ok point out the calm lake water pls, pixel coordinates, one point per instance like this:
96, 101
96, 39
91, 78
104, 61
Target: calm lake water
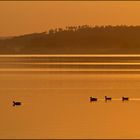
55, 100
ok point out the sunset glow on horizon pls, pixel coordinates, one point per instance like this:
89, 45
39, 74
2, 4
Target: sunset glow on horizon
23, 17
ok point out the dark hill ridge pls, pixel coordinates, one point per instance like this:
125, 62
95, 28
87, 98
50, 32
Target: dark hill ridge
76, 40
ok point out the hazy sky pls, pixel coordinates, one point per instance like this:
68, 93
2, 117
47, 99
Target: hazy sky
21, 17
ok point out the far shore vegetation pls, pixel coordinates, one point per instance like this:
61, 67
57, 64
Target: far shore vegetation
76, 40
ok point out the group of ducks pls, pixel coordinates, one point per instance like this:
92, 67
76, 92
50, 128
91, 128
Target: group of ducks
93, 99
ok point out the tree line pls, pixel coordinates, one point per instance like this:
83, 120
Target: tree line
83, 39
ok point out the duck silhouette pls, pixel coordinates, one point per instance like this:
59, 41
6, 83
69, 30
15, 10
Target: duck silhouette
107, 98
93, 99
16, 103
125, 98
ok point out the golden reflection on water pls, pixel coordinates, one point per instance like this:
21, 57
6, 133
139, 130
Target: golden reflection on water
56, 105
72, 55
55, 100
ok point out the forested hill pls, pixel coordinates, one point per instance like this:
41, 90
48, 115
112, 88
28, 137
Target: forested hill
76, 40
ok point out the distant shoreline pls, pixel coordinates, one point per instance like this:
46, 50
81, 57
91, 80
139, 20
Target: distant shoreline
83, 39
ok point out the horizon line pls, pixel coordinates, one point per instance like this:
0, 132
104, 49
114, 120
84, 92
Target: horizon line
69, 55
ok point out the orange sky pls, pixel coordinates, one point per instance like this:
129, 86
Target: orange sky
26, 17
